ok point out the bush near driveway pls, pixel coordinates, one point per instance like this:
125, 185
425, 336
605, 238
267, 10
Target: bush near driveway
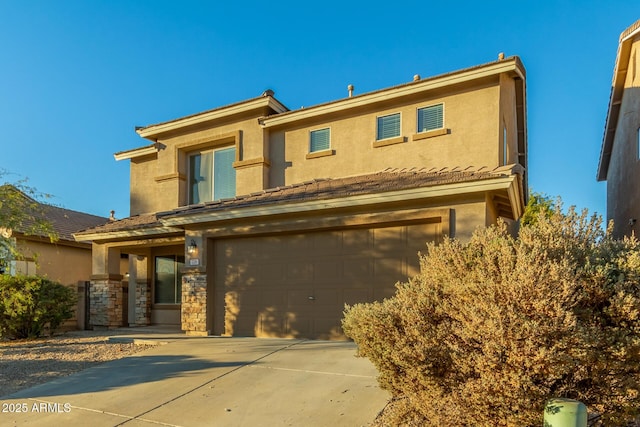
491, 329
29, 304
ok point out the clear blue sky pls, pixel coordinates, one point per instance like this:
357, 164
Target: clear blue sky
76, 77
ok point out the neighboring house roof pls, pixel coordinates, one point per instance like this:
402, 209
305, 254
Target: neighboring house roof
64, 222
380, 184
615, 99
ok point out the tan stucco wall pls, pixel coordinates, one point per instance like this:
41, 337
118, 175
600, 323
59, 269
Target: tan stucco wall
474, 117
158, 182
58, 262
623, 197
471, 117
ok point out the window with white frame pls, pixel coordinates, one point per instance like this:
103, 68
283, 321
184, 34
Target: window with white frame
168, 279
388, 126
319, 140
211, 175
430, 118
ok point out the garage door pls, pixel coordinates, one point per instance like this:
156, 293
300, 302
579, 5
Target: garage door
296, 285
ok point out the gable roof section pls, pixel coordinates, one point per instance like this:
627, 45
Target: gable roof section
615, 99
511, 65
264, 101
385, 186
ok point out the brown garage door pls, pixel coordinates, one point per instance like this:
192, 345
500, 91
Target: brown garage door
296, 285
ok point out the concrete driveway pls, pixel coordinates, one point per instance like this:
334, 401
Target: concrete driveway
211, 382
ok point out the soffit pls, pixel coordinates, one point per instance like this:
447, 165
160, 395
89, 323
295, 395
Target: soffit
627, 38
132, 227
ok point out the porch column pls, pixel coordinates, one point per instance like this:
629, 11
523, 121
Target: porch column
106, 288
140, 280
193, 314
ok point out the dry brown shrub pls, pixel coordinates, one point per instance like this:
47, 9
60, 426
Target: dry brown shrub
489, 330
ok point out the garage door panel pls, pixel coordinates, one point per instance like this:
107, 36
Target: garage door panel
327, 244
358, 270
380, 294
386, 268
328, 270
354, 241
299, 271
355, 296
299, 299
333, 267
272, 274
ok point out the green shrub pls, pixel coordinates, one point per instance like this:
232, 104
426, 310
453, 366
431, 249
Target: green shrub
28, 304
491, 329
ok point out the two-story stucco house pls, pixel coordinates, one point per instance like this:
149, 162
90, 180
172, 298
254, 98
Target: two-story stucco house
255, 220
620, 155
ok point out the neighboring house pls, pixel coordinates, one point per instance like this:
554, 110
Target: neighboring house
620, 155
65, 260
254, 220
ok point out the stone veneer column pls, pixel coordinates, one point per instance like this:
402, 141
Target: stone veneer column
140, 268
106, 302
194, 304
143, 303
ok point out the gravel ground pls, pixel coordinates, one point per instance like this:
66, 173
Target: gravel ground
25, 363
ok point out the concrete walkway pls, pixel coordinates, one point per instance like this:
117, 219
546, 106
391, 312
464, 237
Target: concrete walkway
210, 382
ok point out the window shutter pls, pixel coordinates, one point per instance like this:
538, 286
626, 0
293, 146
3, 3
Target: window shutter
430, 118
320, 140
388, 126
224, 175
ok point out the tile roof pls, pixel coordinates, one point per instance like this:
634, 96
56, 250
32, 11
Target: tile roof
330, 188
320, 189
135, 222
64, 222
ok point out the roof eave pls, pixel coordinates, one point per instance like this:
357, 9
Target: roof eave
486, 185
615, 99
137, 152
94, 236
509, 65
152, 132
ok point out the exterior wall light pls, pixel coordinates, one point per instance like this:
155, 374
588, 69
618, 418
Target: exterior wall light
192, 249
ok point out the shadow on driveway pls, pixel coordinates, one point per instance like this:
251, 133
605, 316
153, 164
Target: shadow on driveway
126, 372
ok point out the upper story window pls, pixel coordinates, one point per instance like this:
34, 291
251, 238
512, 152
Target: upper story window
211, 175
431, 118
388, 126
319, 140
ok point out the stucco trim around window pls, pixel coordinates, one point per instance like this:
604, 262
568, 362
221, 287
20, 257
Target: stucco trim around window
170, 177
388, 141
209, 142
430, 134
258, 161
317, 154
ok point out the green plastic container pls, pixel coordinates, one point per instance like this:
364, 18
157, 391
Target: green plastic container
565, 413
